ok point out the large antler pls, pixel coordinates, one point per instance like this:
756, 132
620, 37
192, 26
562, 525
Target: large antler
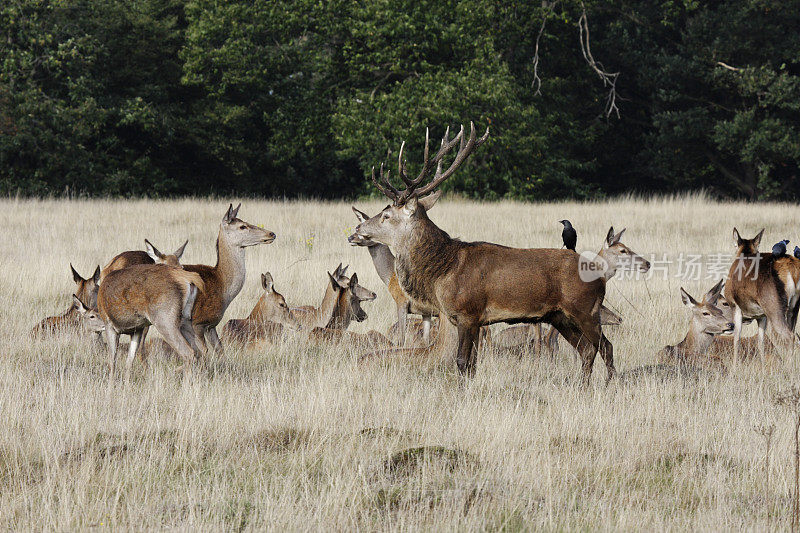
464, 151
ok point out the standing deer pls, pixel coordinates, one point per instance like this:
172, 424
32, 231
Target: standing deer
766, 289
383, 259
477, 283
266, 320
708, 321
140, 257
224, 280
133, 298
722, 347
86, 291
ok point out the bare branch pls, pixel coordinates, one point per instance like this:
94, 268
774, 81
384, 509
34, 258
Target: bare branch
609, 78
723, 65
537, 81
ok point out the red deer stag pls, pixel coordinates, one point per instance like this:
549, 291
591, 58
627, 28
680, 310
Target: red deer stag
224, 280
473, 284
766, 289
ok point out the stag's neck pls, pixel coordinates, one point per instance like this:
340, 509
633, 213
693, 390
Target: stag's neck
383, 259
229, 268
424, 255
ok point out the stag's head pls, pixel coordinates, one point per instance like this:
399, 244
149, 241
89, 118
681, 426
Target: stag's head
86, 287
620, 256
274, 304
410, 204
173, 259
91, 318
241, 234
747, 246
707, 317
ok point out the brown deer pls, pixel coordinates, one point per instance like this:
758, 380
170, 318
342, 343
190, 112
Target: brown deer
476, 283
766, 289
133, 298
708, 321
266, 320
383, 259
311, 317
224, 280
722, 347
140, 257
70, 320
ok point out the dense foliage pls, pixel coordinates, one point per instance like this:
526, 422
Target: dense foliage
301, 97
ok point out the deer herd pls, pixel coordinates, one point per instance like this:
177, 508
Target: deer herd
457, 289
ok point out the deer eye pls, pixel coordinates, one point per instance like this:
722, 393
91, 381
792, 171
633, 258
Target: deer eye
242, 227
706, 313
624, 251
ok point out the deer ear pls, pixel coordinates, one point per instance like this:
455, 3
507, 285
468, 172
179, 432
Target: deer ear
228, 215
410, 206
688, 301
153, 252
736, 237
360, 215
429, 201
78, 304
610, 236
618, 236
353, 280
757, 238
96, 275
179, 252
266, 282
334, 281
77, 278
713, 294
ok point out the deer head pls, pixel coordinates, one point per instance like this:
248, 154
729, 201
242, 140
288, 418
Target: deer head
411, 203
358, 240
173, 259
355, 294
619, 256
86, 288
91, 318
747, 246
273, 305
240, 234
707, 318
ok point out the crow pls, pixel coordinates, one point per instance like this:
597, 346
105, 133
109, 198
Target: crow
779, 248
569, 235
797, 252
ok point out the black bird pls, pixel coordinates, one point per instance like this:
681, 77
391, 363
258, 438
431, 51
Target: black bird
797, 252
779, 248
569, 235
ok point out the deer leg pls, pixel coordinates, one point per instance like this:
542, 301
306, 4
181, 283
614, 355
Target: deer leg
200, 336
467, 340
552, 341
607, 353
426, 328
171, 331
762, 325
136, 340
737, 331
188, 333
142, 353
585, 340
112, 342
781, 328
402, 314
213, 339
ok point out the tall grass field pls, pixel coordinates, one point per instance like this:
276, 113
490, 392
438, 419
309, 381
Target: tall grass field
298, 436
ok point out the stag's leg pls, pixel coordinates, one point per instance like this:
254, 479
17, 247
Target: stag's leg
213, 339
467, 348
112, 342
737, 331
552, 341
402, 314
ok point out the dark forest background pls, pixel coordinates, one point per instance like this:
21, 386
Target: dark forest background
301, 97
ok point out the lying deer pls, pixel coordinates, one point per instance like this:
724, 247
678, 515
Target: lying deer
766, 289
708, 321
383, 259
70, 320
477, 283
266, 320
224, 280
136, 297
311, 317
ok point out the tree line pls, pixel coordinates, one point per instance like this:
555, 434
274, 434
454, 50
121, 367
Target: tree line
302, 97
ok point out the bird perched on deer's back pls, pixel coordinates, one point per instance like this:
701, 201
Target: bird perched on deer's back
779, 248
797, 252
569, 235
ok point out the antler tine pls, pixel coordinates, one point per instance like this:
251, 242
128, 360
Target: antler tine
466, 148
401, 165
389, 193
388, 182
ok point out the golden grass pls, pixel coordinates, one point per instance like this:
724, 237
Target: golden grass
301, 437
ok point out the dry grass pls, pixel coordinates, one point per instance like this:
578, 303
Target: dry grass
302, 437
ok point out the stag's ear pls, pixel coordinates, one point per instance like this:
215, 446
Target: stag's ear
736, 237
79, 304
429, 201
77, 278
179, 252
757, 238
360, 215
610, 236
153, 252
410, 207
96, 275
713, 294
688, 301
266, 282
